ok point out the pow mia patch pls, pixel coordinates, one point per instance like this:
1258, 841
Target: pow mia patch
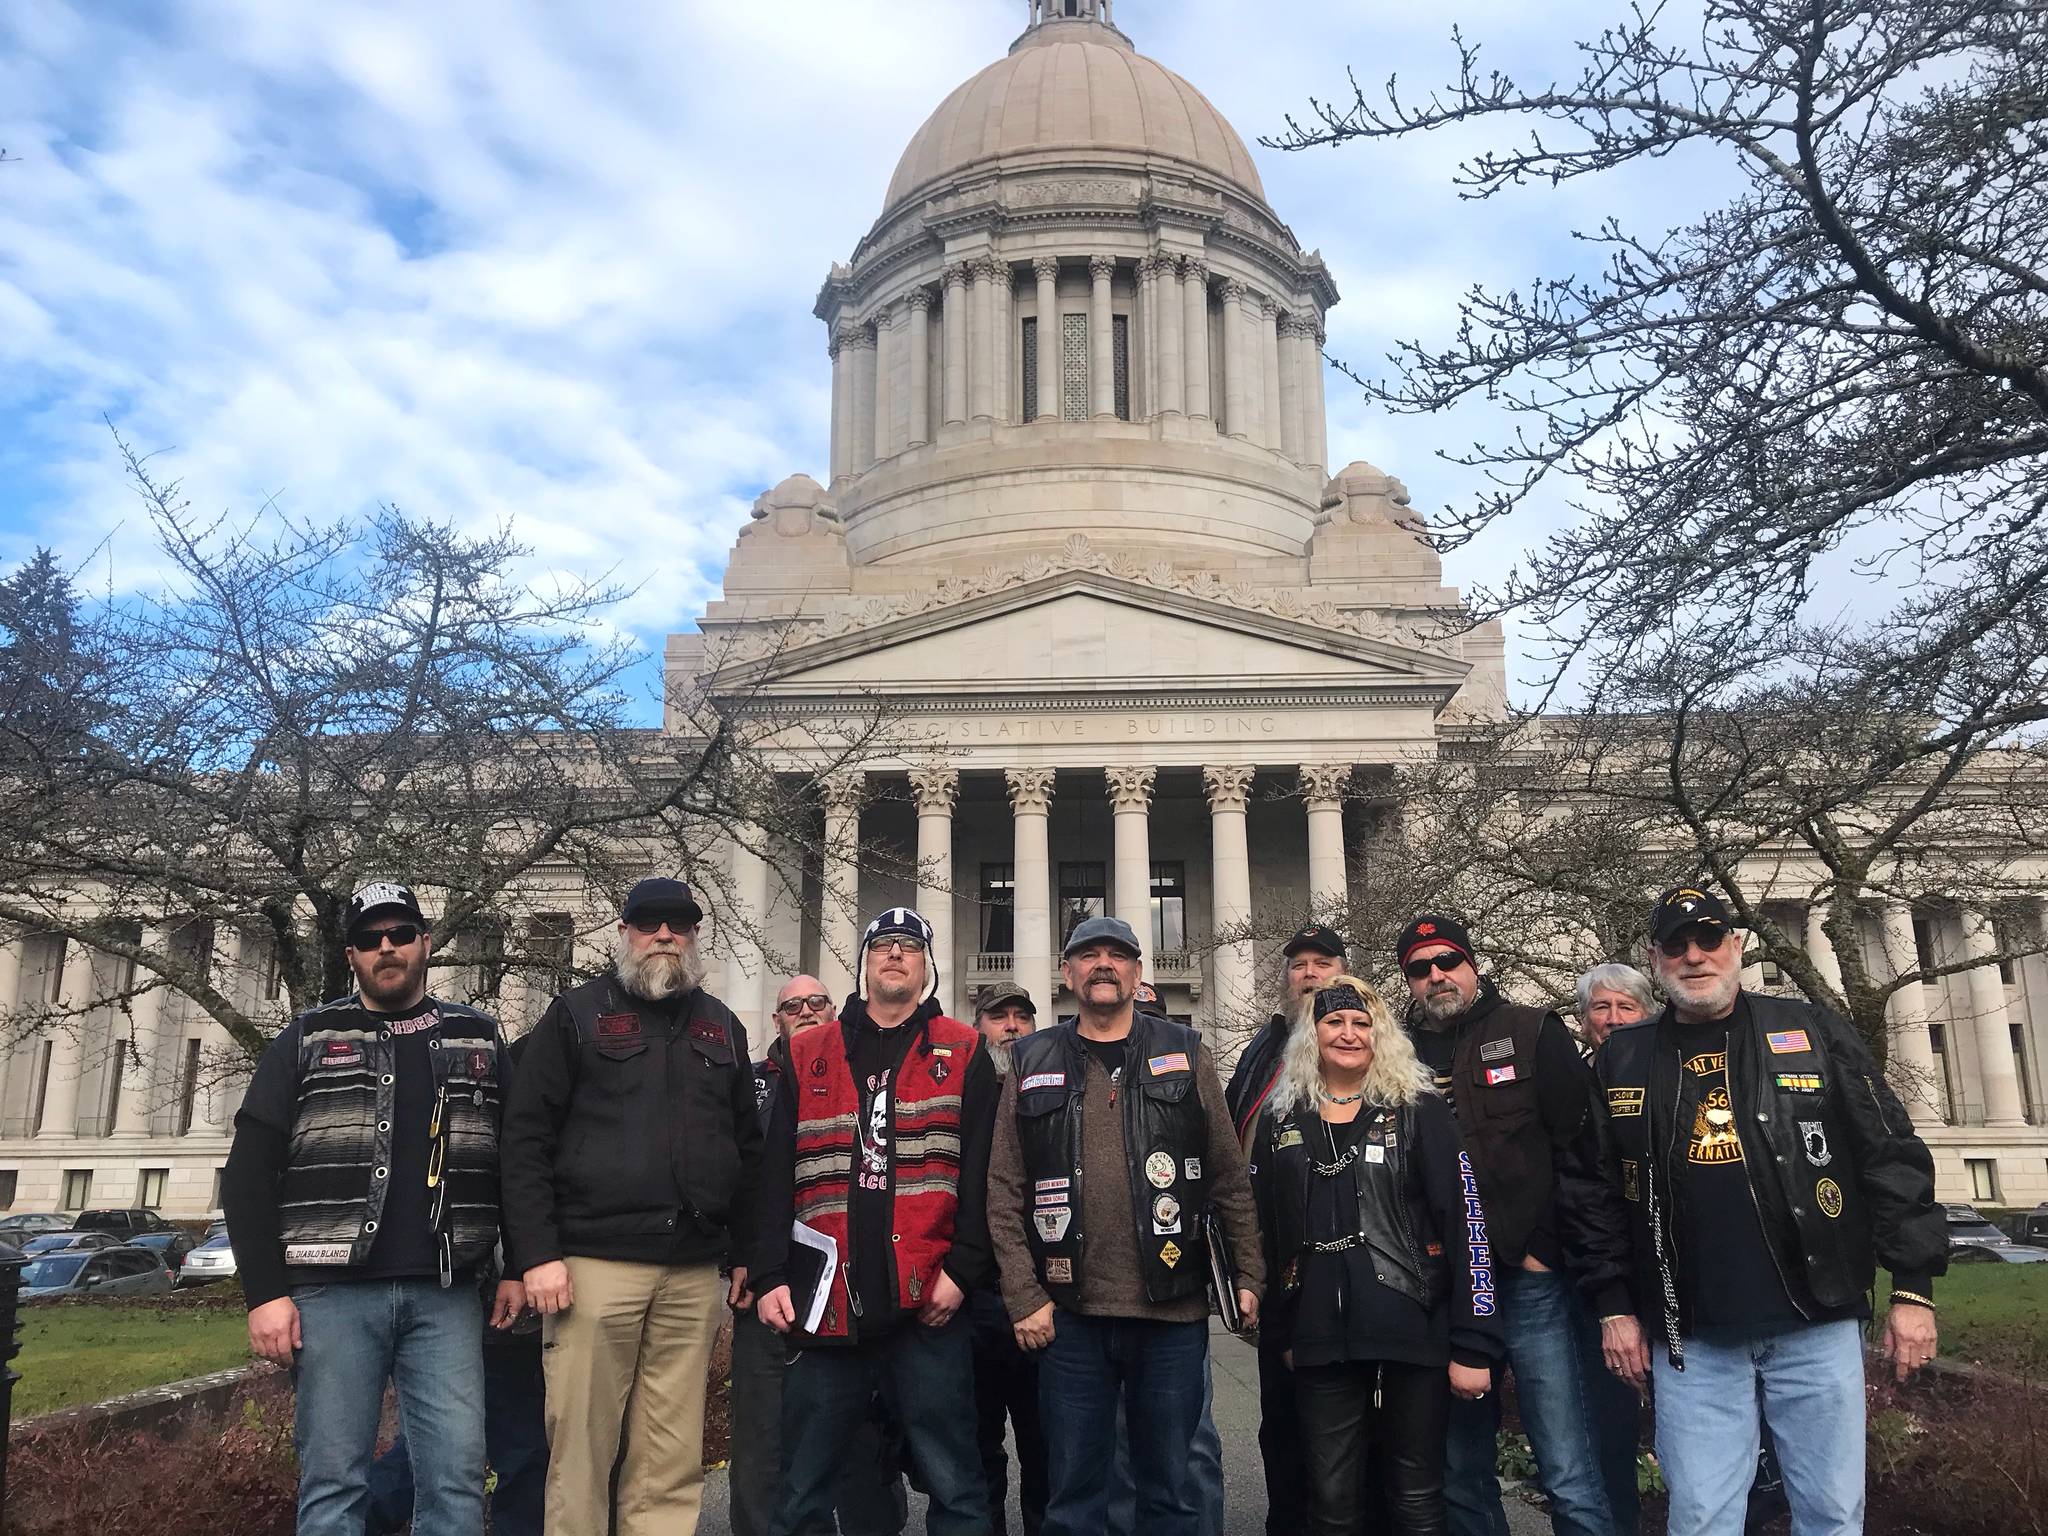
1497, 1050
1623, 1102
1813, 1136
1829, 1196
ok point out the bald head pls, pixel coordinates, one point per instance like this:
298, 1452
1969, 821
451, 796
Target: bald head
803, 1002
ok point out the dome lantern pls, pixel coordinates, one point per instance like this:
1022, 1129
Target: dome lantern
1048, 20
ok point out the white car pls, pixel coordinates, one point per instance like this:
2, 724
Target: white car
211, 1260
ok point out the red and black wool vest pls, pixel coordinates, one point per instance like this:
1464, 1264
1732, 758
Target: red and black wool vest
924, 1136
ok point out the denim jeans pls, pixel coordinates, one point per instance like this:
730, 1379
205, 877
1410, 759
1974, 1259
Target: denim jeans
926, 1379
1156, 1372
1807, 1384
1544, 1321
1205, 1460
429, 1341
515, 1444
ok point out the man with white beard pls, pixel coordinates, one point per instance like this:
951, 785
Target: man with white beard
632, 1165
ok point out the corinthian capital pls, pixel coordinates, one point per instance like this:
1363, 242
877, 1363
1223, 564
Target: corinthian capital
1045, 267
936, 789
1194, 269
1229, 786
1325, 782
1130, 789
1102, 268
959, 274
1232, 290
918, 299
1030, 789
843, 789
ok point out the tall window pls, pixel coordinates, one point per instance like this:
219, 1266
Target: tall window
42, 1087
2022, 1070
273, 972
1120, 340
188, 1089
77, 1189
1937, 1038
10, 1181
1923, 945
998, 909
1083, 893
1169, 908
149, 1190
1074, 368
1029, 347
1983, 1179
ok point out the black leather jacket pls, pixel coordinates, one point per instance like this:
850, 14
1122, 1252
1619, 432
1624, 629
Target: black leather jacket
1841, 1181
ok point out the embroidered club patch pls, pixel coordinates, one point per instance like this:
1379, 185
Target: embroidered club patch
1043, 1080
1375, 1154
1170, 1254
1191, 1170
1051, 1197
1059, 1271
1798, 1082
818, 1069
1159, 1169
707, 1031
316, 1253
1043, 1184
1173, 1061
1828, 1194
1624, 1101
1630, 1187
1786, 1041
479, 1062
1496, 1050
1052, 1225
1813, 1136
939, 1070
612, 1026
1495, 1076
341, 1053
1287, 1139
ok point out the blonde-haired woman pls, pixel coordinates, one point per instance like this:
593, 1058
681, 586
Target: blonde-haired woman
1383, 1290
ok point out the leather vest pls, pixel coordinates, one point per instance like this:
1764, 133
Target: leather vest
1493, 1073
1166, 1148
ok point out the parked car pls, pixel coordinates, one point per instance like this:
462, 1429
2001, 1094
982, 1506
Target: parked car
9, 1254
1969, 1226
2027, 1227
116, 1271
214, 1229
172, 1245
1996, 1253
52, 1242
121, 1222
26, 1224
211, 1260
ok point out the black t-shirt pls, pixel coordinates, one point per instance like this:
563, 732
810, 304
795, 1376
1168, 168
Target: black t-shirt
1111, 1054
875, 1059
1724, 1256
404, 1247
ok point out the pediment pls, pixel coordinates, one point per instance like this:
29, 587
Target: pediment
1090, 631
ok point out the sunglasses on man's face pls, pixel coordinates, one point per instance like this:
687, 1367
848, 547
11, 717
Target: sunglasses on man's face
902, 946
650, 926
817, 1002
400, 935
1703, 936
1415, 970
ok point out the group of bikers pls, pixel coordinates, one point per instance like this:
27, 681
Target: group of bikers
935, 1236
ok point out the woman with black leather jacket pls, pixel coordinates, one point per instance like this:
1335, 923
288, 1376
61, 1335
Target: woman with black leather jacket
1383, 1293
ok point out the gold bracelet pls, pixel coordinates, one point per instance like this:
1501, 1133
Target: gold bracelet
1917, 1300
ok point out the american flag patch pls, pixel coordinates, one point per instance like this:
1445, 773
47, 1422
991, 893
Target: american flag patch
1176, 1061
1787, 1041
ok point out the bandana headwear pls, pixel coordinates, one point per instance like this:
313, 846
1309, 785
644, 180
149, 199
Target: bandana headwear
1336, 999
909, 924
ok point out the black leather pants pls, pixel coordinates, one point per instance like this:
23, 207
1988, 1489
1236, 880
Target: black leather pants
1407, 1425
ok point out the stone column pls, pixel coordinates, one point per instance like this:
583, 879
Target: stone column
1235, 392
839, 897
1323, 786
863, 367
1229, 788
1172, 327
981, 368
887, 443
1914, 1072
747, 989
1293, 423
1145, 343
1319, 409
1269, 361
131, 1106
954, 319
2002, 1102
1101, 339
842, 403
1130, 795
937, 791
214, 1112
12, 1050
1004, 335
67, 1046
1194, 289
1820, 949
920, 304
1031, 870
1047, 270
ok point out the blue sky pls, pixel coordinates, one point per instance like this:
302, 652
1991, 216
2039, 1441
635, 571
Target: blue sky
515, 260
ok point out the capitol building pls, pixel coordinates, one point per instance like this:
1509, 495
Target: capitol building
1079, 536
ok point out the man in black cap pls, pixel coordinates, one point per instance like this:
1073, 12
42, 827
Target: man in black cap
1113, 1144
632, 1164
1755, 1247
1526, 1107
363, 1192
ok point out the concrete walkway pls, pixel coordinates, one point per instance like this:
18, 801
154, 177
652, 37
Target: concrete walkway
1236, 1372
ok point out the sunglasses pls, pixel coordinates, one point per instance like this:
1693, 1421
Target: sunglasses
817, 1002
372, 940
650, 926
1706, 937
1415, 970
901, 946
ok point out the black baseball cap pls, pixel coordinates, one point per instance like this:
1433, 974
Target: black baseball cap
1324, 941
670, 898
1103, 930
1681, 907
1003, 994
383, 896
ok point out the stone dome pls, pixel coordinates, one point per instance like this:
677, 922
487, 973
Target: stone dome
1073, 89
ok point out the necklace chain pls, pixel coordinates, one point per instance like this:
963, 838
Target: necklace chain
1339, 1098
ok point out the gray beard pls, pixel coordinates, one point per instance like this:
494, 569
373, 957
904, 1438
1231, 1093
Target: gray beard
999, 1056
1442, 1007
657, 975
1712, 1005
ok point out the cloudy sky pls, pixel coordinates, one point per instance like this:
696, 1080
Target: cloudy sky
554, 264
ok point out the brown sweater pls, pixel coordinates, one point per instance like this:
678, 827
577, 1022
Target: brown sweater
1112, 1285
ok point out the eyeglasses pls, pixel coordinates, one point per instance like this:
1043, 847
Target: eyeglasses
1707, 937
817, 1002
1415, 970
653, 925
400, 935
901, 946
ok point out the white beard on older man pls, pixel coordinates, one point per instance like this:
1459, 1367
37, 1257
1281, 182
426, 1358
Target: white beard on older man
661, 970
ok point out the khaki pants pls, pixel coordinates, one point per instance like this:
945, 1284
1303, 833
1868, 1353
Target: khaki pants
630, 1354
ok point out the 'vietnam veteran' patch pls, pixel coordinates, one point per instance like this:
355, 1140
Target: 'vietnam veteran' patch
1799, 1082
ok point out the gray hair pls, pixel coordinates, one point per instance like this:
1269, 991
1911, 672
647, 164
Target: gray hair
1395, 1077
1616, 977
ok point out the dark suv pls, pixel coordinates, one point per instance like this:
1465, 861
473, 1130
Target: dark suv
122, 1223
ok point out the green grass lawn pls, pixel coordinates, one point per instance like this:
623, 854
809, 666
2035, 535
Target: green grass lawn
1993, 1314
89, 1351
